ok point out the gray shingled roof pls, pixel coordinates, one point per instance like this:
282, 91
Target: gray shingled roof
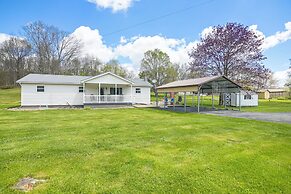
189, 82
66, 79
141, 83
52, 79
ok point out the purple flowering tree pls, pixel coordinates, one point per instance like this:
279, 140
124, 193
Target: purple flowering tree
232, 50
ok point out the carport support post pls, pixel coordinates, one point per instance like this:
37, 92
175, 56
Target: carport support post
192, 99
198, 105
174, 103
239, 100
185, 107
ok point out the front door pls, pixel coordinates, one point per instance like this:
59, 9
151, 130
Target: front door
101, 91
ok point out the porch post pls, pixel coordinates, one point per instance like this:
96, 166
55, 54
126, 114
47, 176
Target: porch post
185, 102
224, 99
115, 93
239, 102
84, 93
131, 93
99, 90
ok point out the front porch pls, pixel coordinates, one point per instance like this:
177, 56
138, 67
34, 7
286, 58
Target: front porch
107, 94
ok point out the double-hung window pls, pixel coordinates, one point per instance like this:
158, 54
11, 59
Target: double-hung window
137, 90
40, 88
112, 91
81, 89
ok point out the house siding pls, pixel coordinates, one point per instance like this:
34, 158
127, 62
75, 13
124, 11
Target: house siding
244, 102
59, 95
143, 97
52, 95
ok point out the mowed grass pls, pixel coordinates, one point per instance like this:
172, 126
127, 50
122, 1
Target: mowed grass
272, 105
143, 151
9, 97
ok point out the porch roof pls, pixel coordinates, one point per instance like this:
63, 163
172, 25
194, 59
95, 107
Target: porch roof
104, 74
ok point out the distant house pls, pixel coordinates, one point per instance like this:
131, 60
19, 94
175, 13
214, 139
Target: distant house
272, 93
64, 90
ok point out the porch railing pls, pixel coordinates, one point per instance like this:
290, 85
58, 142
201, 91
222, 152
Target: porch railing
96, 99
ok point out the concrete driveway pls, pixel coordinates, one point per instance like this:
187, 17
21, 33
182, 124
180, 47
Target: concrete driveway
273, 117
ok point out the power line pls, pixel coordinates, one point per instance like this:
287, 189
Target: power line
158, 18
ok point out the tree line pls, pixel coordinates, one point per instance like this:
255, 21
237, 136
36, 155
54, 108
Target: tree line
232, 50
43, 48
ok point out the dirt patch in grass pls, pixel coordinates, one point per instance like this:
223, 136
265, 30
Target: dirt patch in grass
27, 184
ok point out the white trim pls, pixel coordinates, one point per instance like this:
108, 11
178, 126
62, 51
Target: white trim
101, 75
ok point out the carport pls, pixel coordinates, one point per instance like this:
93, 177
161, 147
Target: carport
206, 85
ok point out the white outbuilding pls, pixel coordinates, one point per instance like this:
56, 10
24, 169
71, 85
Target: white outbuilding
248, 98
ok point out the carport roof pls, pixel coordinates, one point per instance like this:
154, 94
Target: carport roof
204, 83
189, 82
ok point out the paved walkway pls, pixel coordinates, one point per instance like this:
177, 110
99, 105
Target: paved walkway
273, 117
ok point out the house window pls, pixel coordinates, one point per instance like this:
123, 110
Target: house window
40, 88
137, 90
112, 91
81, 89
247, 97
119, 91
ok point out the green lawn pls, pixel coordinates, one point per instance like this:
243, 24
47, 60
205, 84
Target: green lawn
142, 151
9, 97
273, 105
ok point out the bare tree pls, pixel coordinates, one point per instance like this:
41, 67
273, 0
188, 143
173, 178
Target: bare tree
13, 54
53, 48
272, 82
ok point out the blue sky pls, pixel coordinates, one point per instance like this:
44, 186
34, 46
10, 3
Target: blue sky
94, 20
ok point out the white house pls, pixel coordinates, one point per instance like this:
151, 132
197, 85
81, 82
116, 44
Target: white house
64, 90
248, 98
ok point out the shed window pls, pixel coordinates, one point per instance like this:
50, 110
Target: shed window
40, 88
81, 89
137, 90
248, 97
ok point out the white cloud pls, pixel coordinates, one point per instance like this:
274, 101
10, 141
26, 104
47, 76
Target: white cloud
132, 49
123, 40
92, 44
4, 37
277, 38
206, 31
281, 76
177, 49
254, 28
115, 5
